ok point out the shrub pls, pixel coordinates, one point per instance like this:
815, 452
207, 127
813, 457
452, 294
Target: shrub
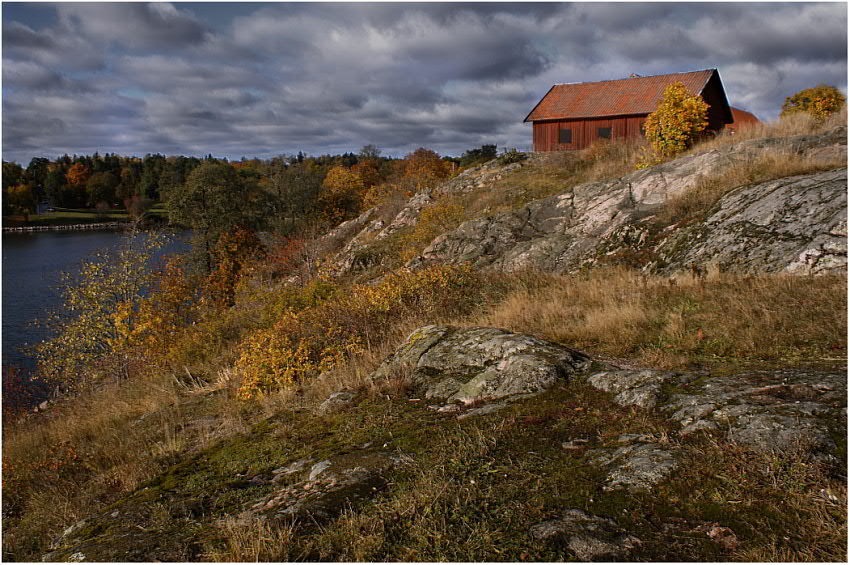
675, 124
98, 301
441, 217
232, 253
512, 156
154, 327
303, 344
820, 101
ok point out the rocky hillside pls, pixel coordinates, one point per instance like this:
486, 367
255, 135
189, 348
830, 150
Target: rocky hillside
546, 438
795, 224
540, 451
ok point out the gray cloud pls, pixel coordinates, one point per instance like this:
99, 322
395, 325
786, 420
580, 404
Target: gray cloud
139, 78
157, 25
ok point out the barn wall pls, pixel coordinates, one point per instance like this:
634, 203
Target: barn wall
545, 133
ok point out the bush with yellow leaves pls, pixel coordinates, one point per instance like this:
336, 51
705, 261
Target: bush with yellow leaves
441, 217
821, 102
675, 124
320, 337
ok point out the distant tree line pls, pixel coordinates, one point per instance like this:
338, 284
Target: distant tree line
283, 195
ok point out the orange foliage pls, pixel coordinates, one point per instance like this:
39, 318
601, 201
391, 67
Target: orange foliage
233, 252
162, 315
368, 173
423, 169
312, 338
78, 174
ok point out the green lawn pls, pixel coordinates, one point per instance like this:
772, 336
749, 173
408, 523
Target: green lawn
68, 216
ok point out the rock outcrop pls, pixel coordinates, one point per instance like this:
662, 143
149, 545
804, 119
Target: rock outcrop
327, 488
638, 464
780, 410
769, 411
468, 365
363, 230
796, 224
588, 537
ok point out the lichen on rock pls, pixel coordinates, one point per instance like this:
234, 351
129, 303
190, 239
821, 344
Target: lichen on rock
467, 365
588, 537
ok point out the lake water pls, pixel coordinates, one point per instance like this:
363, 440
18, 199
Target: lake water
32, 265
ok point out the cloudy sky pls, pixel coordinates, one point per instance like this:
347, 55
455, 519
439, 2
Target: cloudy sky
264, 79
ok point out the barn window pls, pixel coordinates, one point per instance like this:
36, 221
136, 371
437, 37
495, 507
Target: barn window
565, 136
603, 133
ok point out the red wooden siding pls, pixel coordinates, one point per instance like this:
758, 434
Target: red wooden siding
621, 105
545, 134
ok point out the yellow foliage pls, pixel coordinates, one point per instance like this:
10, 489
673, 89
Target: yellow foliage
441, 217
820, 101
162, 315
674, 125
382, 193
340, 193
424, 169
303, 344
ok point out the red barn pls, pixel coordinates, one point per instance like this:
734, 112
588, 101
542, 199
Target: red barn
741, 120
572, 116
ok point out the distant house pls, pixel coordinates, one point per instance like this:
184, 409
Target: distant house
572, 116
741, 119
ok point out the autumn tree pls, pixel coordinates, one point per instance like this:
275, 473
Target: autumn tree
87, 329
423, 169
214, 199
368, 172
340, 193
233, 252
677, 121
820, 101
18, 199
78, 175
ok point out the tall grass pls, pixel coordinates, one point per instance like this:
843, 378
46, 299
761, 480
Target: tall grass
696, 202
796, 124
683, 320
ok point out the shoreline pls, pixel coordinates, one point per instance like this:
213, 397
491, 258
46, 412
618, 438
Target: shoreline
69, 227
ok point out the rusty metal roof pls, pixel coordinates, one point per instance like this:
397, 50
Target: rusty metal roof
637, 95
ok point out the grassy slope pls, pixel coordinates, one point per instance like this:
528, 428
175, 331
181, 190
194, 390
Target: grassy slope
476, 485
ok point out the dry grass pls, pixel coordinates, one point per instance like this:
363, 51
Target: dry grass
674, 322
87, 440
697, 202
86, 452
797, 507
251, 539
795, 124
554, 173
